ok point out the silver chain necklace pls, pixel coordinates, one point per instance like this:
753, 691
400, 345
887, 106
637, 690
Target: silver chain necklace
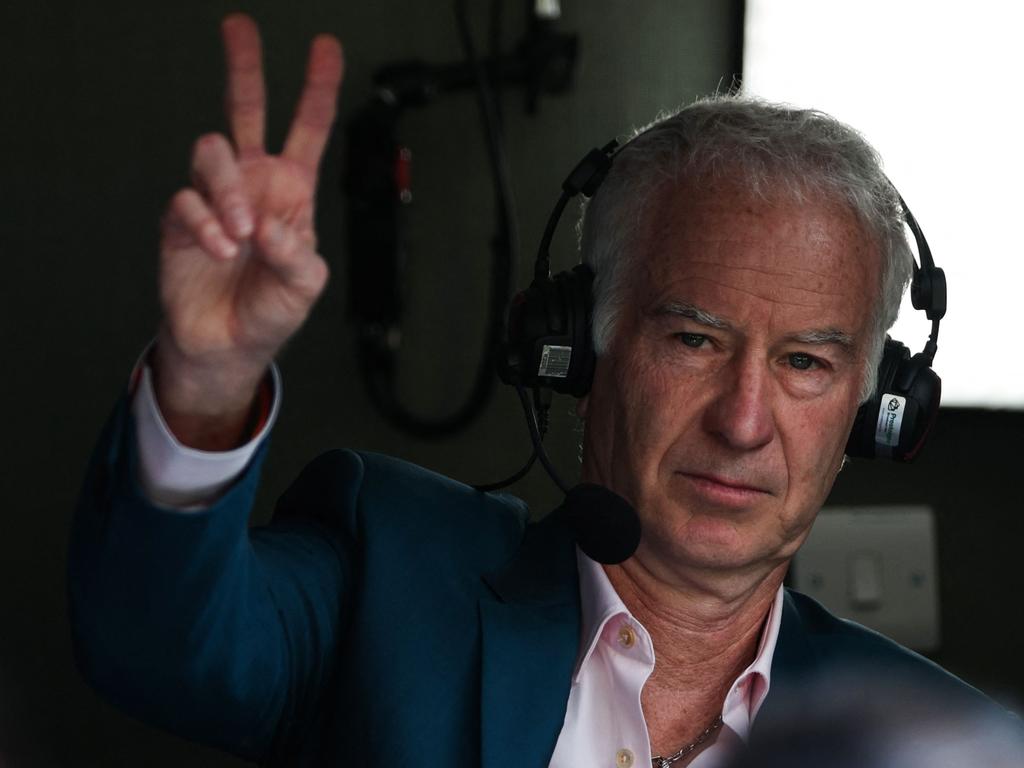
664, 762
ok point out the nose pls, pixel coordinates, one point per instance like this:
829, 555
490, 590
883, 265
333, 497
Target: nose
741, 415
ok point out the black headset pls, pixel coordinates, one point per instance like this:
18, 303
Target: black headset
549, 343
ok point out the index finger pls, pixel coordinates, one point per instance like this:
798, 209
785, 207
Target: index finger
314, 115
245, 99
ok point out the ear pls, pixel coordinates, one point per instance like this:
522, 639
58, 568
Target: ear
581, 406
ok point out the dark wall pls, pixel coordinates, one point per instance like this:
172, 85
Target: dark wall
101, 103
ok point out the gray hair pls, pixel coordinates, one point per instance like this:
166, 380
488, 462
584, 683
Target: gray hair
777, 151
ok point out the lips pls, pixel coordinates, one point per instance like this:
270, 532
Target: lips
724, 490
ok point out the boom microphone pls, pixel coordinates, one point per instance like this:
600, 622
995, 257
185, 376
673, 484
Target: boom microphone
604, 524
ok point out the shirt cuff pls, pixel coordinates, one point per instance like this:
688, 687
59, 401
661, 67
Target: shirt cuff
175, 476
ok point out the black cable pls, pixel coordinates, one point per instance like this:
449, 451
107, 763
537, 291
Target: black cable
538, 439
508, 481
487, 102
378, 369
535, 425
538, 426
494, 34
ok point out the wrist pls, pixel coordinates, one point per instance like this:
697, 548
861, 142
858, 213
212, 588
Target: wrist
208, 403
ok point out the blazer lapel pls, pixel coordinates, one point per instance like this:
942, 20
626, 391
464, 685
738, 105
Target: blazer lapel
530, 637
794, 661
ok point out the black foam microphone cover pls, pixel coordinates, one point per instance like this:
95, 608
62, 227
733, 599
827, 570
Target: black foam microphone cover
605, 525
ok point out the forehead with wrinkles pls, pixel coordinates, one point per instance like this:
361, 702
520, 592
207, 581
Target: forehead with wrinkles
808, 254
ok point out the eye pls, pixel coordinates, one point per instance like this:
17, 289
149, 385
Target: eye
694, 340
802, 361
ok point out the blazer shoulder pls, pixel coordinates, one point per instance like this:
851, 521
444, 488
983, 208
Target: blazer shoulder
847, 647
373, 497
841, 640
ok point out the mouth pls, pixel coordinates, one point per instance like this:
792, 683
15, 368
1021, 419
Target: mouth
724, 491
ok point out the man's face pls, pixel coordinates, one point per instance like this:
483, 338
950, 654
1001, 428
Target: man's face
722, 409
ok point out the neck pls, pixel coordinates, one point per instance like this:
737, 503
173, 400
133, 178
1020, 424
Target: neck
695, 623
703, 640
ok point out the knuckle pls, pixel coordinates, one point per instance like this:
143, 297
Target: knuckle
209, 143
228, 194
180, 200
321, 272
314, 276
208, 229
228, 207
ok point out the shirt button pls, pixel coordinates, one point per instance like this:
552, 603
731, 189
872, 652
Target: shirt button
627, 639
624, 758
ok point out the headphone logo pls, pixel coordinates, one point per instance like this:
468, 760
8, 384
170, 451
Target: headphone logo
890, 422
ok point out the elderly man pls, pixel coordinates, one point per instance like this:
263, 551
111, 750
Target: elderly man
748, 261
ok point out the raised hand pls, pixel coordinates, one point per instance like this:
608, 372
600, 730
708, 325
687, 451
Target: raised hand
239, 271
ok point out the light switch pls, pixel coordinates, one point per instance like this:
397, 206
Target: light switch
865, 581
877, 566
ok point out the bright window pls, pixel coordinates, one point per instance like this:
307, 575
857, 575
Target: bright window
936, 87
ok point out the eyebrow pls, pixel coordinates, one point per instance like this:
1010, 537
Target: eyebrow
693, 313
825, 336
815, 336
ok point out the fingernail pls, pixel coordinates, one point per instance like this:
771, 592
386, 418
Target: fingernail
227, 249
241, 221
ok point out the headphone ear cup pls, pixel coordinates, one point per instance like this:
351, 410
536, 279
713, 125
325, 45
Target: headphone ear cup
549, 337
923, 391
897, 418
861, 442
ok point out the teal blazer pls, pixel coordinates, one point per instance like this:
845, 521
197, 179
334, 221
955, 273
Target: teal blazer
388, 615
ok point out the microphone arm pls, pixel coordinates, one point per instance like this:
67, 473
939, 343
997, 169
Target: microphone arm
605, 525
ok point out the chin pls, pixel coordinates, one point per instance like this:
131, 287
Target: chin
703, 541
712, 542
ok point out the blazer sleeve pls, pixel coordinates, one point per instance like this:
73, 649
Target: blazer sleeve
192, 623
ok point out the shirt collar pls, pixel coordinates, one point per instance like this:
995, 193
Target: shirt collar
748, 692
599, 603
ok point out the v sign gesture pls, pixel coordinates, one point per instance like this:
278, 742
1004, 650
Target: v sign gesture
239, 271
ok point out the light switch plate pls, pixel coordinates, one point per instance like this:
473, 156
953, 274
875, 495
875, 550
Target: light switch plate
877, 566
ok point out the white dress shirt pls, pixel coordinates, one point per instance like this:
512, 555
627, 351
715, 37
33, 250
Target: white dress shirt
604, 723
178, 477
